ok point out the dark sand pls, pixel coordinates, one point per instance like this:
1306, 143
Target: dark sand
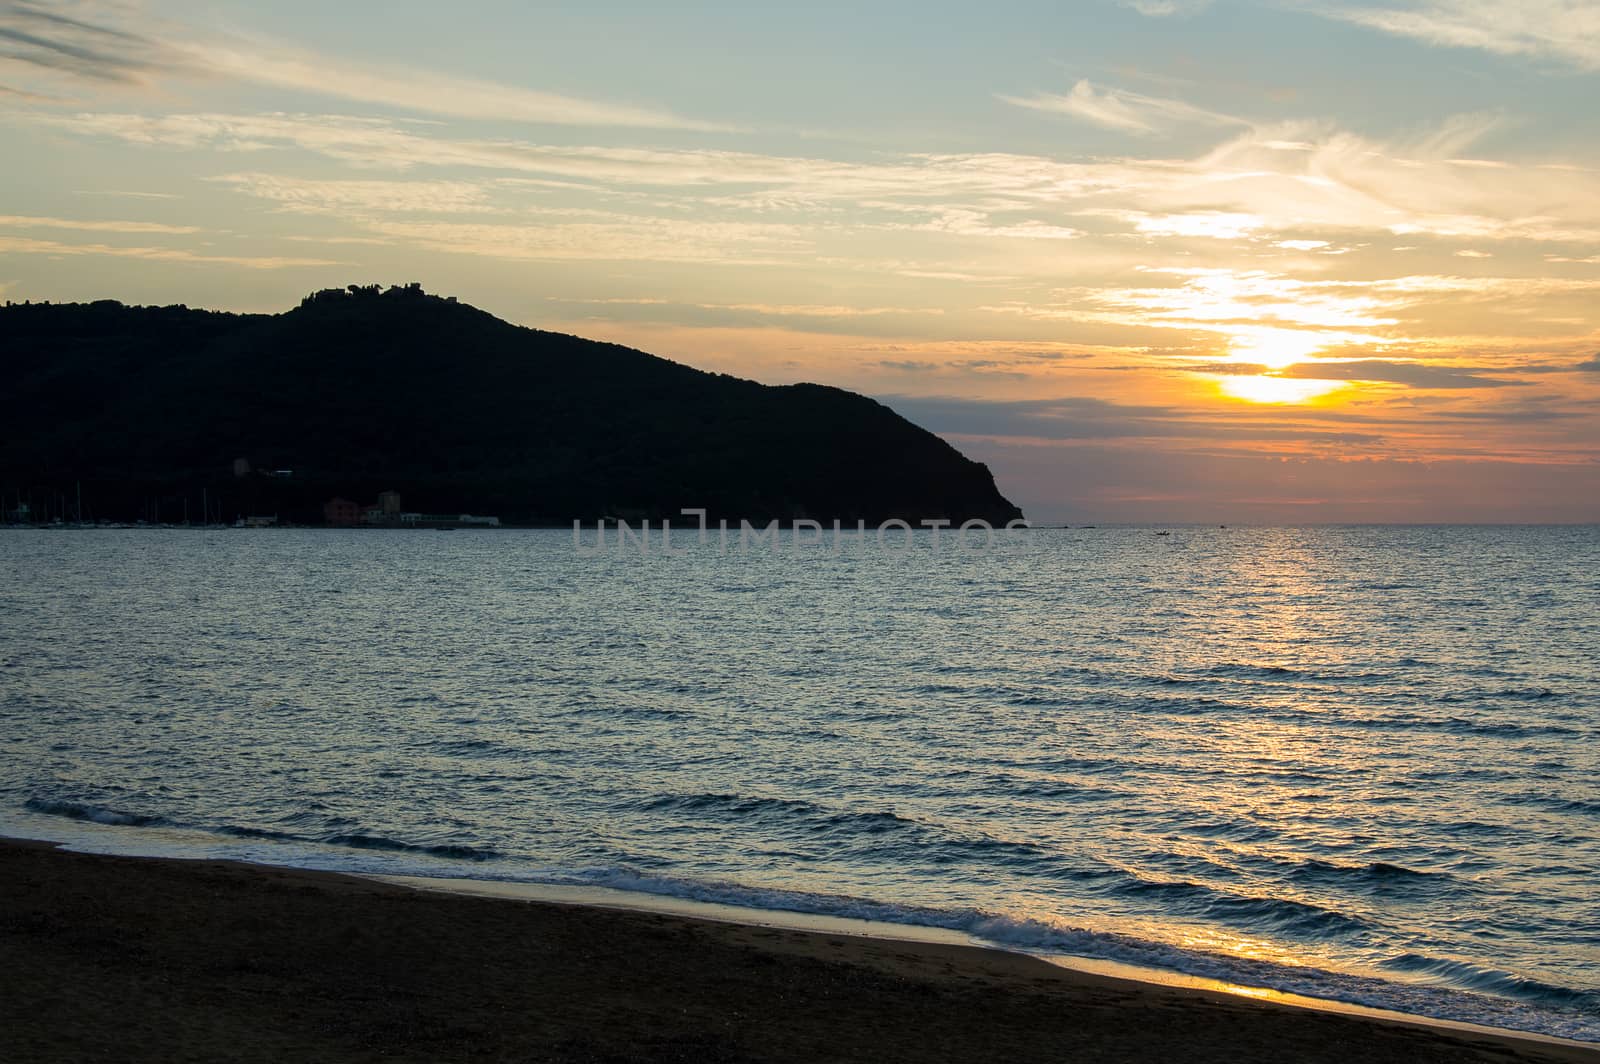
129, 959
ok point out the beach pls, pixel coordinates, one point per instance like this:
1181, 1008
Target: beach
124, 958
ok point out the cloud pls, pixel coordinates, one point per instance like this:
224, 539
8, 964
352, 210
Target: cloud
775, 310
1564, 30
1216, 225
1384, 371
1166, 8
428, 92
1127, 112
16, 245
614, 238
1250, 299
1254, 206
971, 222
96, 44
23, 94
1325, 182
46, 39
1083, 418
1329, 180
1411, 374
1056, 419
16, 221
1591, 366
340, 197
126, 194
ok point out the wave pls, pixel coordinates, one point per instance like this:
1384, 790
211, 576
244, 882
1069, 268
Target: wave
1490, 980
732, 804
472, 749
883, 834
1286, 917
1518, 1004
93, 813
1372, 872
1251, 671
453, 851
352, 839
1255, 671
1473, 994
1052, 789
1555, 803
1408, 722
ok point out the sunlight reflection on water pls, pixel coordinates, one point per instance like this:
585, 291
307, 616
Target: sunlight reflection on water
1362, 749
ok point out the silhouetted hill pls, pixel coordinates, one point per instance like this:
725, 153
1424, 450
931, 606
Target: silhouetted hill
362, 390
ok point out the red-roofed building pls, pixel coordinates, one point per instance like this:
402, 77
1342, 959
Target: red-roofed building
342, 512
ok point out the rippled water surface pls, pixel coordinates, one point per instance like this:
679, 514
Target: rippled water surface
1353, 762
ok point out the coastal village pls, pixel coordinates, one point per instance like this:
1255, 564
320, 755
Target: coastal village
337, 512
387, 513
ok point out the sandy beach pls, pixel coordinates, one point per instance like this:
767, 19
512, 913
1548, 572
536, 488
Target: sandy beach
137, 959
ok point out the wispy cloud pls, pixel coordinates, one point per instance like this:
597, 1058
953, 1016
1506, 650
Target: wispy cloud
101, 43
1374, 370
16, 245
429, 92
620, 238
17, 221
1281, 190
23, 94
1129, 112
1082, 418
341, 196
1320, 177
1166, 8
1411, 374
127, 194
1565, 30
778, 310
46, 38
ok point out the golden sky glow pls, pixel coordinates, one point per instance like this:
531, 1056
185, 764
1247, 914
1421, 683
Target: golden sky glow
1246, 261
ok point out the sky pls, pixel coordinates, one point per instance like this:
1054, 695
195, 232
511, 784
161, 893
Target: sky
1234, 261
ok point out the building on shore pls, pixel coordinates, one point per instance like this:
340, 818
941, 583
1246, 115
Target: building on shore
415, 520
342, 512
386, 513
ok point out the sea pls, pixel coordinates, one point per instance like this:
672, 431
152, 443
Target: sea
1354, 763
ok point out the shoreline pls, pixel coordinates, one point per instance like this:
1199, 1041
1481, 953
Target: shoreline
163, 958
850, 926
1377, 998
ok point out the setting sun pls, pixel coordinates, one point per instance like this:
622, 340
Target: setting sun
1278, 389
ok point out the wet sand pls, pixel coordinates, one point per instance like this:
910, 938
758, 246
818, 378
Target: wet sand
135, 959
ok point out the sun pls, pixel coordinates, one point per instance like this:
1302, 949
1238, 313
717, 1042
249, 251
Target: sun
1262, 389
1269, 351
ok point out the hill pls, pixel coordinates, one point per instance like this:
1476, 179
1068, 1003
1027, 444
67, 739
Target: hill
144, 410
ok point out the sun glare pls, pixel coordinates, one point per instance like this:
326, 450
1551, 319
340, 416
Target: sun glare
1275, 348
1278, 389
1256, 348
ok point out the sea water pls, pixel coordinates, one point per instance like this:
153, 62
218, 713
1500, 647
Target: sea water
1358, 763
